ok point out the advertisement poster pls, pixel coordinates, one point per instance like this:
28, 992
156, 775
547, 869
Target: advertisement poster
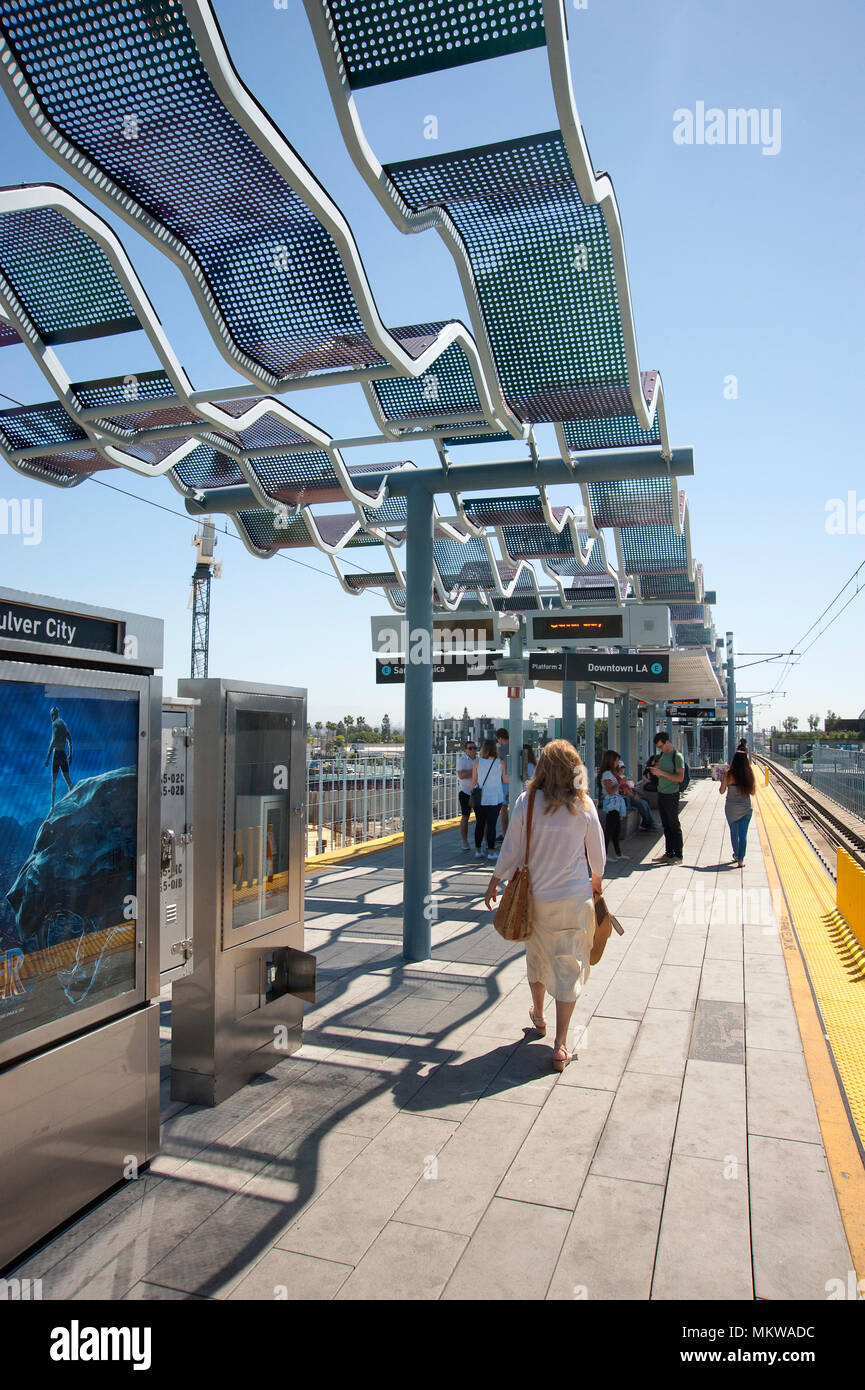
68, 812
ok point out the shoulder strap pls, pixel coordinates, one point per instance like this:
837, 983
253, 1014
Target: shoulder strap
489, 770
529, 829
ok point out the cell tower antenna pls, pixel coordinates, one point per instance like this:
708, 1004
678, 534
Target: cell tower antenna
206, 569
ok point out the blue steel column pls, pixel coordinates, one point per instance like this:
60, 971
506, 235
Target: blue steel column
569, 711
625, 749
590, 738
417, 847
515, 726
731, 700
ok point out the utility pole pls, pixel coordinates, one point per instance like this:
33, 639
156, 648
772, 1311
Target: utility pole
206, 569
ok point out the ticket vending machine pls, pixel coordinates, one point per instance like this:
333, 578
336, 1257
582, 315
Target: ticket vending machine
240, 1010
79, 919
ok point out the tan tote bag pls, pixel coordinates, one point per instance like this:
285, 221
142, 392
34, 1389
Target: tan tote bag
513, 919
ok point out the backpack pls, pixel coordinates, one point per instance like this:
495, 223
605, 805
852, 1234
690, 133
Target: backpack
686, 779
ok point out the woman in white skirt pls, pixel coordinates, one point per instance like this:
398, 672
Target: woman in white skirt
566, 833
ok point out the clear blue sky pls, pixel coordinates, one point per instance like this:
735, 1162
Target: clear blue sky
740, 263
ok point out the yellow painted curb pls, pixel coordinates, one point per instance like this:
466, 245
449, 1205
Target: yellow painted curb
839, 1141
341, 856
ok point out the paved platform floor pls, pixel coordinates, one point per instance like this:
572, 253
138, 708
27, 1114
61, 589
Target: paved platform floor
420, 1147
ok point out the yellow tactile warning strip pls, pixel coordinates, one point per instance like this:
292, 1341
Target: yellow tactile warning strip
341, 856
819, 948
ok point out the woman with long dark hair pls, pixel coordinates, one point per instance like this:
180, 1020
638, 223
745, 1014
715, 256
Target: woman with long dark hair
566, 861
612, 802
490, 775
738, 782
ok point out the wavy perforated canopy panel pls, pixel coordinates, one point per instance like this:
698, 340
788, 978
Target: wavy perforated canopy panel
543, 269
125, 84
8, 335
64, 281
653, 550
687, 613
689, 636
29, 426
621, 430
381, 41
664, 586
631, 502
443, 391
518, 509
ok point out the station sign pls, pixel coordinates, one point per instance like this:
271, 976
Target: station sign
391, 671
681, 710
601, 667
26, 623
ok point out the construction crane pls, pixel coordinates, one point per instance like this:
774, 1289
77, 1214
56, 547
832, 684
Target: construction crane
206, 569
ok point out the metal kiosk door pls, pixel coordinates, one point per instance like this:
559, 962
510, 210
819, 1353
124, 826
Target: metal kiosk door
175, 843
241, 1010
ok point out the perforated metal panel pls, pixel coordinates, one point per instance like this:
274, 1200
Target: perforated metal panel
447, 388
124, 390
631, 502
28, 426
126, 85
64, 281
206, 467
543, 269
653, 550
381, 41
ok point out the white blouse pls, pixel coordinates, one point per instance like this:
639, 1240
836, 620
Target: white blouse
557, 854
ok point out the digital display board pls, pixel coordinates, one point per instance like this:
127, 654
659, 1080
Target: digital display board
68, 849
561, 628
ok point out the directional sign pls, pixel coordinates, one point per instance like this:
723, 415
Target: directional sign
391, 671
600, 667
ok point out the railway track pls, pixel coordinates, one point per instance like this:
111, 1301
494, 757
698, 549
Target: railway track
823, 829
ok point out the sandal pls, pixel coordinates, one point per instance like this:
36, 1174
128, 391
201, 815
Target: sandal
540, 1028
559, 1063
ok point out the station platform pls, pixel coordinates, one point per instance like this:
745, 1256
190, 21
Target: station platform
420, 1147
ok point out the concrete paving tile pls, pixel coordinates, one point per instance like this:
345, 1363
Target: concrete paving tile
609, 1250
766, 975
603, 1045
512, 1255
724, 941
770, 1022
283, 1275
712, 1114
638, 1135
553, 1161
342, 1224
627, 995
792, 1193
453, 1193
661, 1046
645, 953
704, 1250
455, 1085
780, 1100
721, 979
143, 1292
685, 949
405, 1263
675, 987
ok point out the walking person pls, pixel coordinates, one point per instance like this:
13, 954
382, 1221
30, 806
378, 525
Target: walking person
465, 766
613, 803
738, 782
531, 761
503, 744
490, 775
566, 865
669, 771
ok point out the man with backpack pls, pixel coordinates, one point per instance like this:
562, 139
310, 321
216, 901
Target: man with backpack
669, 771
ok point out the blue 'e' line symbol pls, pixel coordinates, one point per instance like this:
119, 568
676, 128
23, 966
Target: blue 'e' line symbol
386, 670
657, 668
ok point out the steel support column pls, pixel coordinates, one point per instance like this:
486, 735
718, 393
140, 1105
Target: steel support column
569, 711
590, 739
417, 846
515, 726
731, 700
625, 749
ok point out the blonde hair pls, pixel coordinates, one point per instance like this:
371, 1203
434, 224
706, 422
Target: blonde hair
561, 775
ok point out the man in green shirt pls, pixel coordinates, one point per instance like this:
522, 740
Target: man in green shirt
670, 773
